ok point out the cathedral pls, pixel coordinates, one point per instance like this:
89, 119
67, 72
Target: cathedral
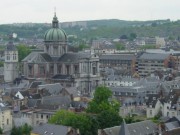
56, 64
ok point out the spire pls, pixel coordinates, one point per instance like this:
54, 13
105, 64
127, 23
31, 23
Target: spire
10, 45
124, 129
55, 22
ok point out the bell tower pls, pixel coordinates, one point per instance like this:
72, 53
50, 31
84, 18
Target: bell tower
11, 61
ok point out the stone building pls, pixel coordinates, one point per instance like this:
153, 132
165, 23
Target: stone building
147, 63
11, 62
5, 118
59, 65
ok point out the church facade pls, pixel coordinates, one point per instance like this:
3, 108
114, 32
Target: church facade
79, 70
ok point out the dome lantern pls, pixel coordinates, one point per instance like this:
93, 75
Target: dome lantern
55, 22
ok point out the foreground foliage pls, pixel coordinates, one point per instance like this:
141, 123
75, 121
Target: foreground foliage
23, 130
102, 112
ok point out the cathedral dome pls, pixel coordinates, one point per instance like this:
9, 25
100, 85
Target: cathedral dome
55, 34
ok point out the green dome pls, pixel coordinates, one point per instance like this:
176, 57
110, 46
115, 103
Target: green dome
55, 34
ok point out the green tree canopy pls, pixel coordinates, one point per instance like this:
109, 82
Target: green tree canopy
1, 131
102, 112
132, 36
82, 46
23, 51
105, 108
1, 64
119, 46
85, 123
148, 47
22, 130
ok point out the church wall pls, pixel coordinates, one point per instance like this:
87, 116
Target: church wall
10, 71
55, 68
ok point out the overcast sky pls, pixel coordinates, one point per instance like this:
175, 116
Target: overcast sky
16, 11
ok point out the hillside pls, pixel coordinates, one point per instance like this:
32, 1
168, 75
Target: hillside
100, 28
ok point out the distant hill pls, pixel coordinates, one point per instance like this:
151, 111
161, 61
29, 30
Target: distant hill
111, 28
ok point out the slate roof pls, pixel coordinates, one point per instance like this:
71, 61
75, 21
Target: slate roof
63, 101
73, 57
72, 90
50, 128
153, 56
53, 89
117, 57
33, 102
127, 89
25, 93
172, 132
138, 128
37, 57
46, 56
173, 97
35, 84
172, 125
62, 77
3, 108
124, 129
151, 99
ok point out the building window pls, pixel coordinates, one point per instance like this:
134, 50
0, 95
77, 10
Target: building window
41, 116
51, 69
47, 116
47, 48
8, 57
14, 56
151, 112
76, 70
30, 68
7, 121
59, 69
67, 69
37, 115
41, 70
167, 113
94, 70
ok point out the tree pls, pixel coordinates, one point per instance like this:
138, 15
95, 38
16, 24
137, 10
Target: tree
104, 108
85, 123
123, 37
132, 36
23, 51
148, 47
1, 64
16, 131
108, 118
22, 130
26, 129
1, 130
82, 46
119, 46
